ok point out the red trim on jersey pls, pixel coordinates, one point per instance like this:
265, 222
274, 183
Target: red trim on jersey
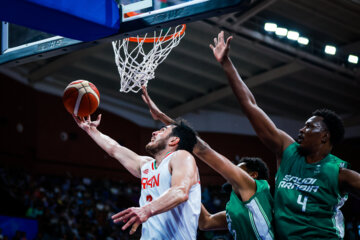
153, 164
167, 154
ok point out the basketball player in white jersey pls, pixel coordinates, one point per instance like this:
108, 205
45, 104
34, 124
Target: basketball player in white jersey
170, 201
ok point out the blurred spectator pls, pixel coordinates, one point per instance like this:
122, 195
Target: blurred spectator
81, 208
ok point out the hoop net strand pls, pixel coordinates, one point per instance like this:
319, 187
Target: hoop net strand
136, 63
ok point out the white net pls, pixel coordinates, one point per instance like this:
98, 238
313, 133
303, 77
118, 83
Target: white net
137, 58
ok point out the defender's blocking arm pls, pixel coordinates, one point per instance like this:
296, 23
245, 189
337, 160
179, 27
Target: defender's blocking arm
243, 184
209, 221
130, 160
275, 139
155, 112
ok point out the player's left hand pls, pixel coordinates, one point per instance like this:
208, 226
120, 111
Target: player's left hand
86, 123
156, 113
132, 216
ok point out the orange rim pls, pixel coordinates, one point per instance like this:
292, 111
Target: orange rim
156, 39
131, 14
153, 39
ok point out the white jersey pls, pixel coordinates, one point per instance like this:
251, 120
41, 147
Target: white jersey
180, 222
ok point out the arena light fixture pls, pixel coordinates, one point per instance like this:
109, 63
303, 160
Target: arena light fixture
293, 35
270, 27
331, 50
303, 40
353, 59
282, 32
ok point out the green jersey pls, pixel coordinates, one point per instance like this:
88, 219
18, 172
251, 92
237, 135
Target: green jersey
251, 219
307, 198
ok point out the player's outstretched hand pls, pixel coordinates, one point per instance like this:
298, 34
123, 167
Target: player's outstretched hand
132, 216
220, 48
86, 124
156, 113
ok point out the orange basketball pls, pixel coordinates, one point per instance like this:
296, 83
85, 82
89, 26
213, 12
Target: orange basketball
81, 98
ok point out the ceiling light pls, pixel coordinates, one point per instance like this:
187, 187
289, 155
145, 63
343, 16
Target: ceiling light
330, 49
270, 27
303, 40
353, 59
292, 35
281, 32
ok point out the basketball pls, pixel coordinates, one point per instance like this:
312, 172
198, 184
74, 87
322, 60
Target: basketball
81, 98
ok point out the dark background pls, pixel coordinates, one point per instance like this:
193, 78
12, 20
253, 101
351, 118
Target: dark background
39, 148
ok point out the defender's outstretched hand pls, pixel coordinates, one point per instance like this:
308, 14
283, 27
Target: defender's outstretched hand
220, 48
156, 113
86, 124
132, 216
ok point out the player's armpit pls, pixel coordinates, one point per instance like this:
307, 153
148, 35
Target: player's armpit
349, 181
129, 159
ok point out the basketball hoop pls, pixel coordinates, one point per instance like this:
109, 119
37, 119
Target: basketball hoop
136, 61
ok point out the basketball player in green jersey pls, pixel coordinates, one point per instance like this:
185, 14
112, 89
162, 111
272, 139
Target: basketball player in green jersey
249, 212
239, 216
311, 184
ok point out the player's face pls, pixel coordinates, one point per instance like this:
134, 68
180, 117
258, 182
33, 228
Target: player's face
312, 134
159, 140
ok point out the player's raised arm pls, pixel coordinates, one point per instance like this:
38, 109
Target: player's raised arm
275, 139
209, 221
156, 113
184, 175
242, 182
130, 160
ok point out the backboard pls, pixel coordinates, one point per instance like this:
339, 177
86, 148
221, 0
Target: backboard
20, 45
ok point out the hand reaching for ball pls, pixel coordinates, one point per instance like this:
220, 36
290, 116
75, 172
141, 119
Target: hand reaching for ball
85, 123
81, 98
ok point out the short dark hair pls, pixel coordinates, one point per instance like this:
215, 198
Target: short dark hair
186, 134
256, 164
333, 123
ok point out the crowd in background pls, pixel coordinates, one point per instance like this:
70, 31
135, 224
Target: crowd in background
68, 207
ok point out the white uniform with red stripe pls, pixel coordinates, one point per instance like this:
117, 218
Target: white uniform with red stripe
180, 222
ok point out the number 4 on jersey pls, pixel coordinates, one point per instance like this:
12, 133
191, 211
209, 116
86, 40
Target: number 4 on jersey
303, 202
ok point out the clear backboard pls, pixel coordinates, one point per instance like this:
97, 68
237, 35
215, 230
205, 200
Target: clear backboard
20, 45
